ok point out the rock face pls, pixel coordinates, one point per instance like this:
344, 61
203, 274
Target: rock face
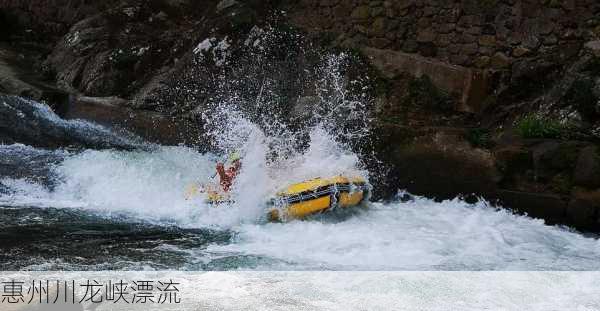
19, 78
469, 85
593, 47
42, 21
118, 51
452, 80
587, 168
438, 164
33, 123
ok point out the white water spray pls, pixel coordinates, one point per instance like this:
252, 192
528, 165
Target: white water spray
423, 235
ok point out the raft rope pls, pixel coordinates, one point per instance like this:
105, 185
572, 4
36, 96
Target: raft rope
322, 192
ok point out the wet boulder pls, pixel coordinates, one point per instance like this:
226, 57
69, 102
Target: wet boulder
583, 208
34, 123
587, 168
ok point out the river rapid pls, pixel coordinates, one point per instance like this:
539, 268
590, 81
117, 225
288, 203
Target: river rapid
103, 210
89, 209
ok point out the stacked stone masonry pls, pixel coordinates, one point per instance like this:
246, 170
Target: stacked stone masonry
472, 33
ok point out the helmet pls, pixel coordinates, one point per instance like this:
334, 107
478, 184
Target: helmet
234, 156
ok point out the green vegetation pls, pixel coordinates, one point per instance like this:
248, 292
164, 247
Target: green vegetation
535, 126
422, 92
480, 138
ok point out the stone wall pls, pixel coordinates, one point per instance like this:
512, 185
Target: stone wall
473, 33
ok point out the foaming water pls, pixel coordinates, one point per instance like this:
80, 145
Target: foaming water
127, 207
151, 185
415, 235
420, 235
145, 185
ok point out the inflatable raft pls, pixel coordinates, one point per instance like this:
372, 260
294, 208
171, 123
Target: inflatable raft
299, 200
317, 196
213, 194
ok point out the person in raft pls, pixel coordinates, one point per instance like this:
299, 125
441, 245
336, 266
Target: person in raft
227, 176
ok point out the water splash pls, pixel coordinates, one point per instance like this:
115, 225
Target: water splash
280, 146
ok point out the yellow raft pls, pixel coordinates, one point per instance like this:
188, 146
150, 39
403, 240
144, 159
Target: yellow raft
302, 199
212, 193
317, 196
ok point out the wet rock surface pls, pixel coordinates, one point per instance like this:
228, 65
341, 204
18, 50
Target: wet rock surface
33, 123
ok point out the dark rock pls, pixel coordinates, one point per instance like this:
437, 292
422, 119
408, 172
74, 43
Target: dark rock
582, 211
587, 168
582, 95
441, 169
553, 157
531, 42
488, 29
426, 35
520, 51
410, 46
482, 62
529, 76
226, 4
551, 208
487, 40
550, 40
593, 47
512, 162
500, 61
468, 84
242, 17
469, 49
378, 28
114, 113
35, 124
427, 49
380, 43
361, 12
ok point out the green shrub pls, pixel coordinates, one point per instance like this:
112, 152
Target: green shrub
534, 126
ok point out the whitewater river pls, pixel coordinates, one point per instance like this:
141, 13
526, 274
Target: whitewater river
77, 209
80, 210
